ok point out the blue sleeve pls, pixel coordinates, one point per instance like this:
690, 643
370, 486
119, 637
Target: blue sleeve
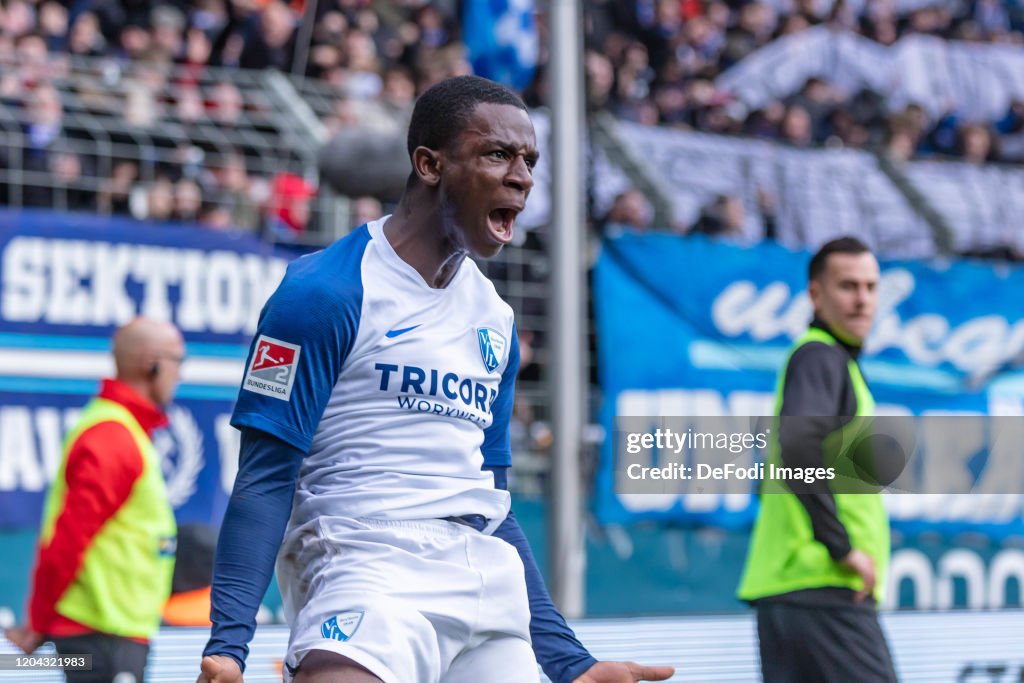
497, 446
305, 332
250, 537
556, 647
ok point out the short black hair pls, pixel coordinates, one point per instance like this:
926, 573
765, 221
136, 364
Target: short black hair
444, 110
840, 245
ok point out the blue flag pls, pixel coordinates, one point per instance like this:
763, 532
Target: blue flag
501, 38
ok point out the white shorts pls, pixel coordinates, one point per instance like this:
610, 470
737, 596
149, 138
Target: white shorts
424, 601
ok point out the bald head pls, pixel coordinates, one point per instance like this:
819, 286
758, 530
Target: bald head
148, 355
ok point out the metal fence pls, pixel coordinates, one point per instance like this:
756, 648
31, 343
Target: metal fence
106, 135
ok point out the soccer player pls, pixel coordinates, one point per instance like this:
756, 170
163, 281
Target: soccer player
816, 566
375, 410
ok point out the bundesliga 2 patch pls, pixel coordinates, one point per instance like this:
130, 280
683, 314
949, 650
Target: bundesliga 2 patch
272, 370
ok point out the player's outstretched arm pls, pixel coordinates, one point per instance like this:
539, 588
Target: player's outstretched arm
559, 652
218, 669
624, 672
556, 647
250, 537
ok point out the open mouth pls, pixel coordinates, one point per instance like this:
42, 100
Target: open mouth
502, 222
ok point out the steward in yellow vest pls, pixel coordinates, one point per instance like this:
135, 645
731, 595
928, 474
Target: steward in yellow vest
107, 543
815, 571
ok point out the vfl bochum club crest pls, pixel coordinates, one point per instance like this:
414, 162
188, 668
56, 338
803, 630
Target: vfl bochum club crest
341, 626
492, 347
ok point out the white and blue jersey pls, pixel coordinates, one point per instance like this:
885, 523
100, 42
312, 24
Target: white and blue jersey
398, 392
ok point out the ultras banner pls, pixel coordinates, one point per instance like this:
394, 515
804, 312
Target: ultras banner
66, 283
693, 327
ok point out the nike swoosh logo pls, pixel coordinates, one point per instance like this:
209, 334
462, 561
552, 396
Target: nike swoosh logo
391, 334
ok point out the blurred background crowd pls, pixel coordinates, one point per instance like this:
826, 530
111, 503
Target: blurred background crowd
141, 70
657, 63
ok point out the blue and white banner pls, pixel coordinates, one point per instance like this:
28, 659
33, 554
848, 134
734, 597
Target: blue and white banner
66, 283
977, 81
501, 38
693, 327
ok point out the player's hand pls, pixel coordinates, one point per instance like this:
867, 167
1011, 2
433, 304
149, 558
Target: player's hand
219, 669
27, 640
860, 562
624, 672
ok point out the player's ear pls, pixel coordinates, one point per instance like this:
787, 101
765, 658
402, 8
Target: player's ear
427, 164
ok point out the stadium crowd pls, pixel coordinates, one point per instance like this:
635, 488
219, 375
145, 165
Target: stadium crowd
656, 63
648, 61
177, 53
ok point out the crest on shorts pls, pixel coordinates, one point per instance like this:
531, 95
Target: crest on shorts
492, 347
341, 626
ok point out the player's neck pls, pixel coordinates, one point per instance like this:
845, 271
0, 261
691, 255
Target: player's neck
417, 236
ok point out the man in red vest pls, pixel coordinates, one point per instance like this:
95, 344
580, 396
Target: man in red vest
106, 547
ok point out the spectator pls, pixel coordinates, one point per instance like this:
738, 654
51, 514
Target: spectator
325, 50
600, 80
1011, 129
35, 65
159, 200
226, 103
168, 24
399, 93
234, 189
45, 118
114, 193
797, 127
630, 211
135, 43
976, 144
85, 39
69, 192
53, 25
671, 102
270, 42
188, 200
141, 109
845, 131
363, 79
19, 18
196, 55
818, 99
289, 207
189, 106
433, 33
767, 122
214, 216
365, 209
901, 140
725, 217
